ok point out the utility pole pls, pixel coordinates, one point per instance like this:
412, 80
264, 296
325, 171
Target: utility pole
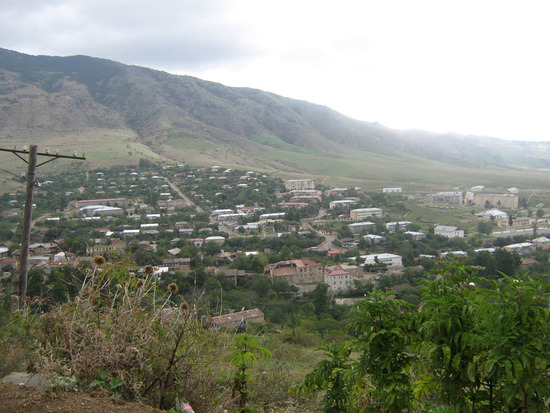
19, 281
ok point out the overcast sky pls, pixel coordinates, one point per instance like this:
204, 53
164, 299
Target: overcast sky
473, 67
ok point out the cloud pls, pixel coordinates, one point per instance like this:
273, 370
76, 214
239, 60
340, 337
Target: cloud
163, 33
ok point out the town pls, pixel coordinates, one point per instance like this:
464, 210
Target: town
202, 226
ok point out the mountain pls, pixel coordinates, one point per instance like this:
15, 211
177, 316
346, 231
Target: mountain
117, 113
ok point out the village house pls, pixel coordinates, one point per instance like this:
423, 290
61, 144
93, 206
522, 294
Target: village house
542, 243
46, 248
178, 264
116, 245
338, 279
295, 272
239, 320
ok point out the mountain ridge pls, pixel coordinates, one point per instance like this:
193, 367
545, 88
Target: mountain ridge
186, 119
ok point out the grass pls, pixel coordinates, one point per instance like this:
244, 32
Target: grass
267, 153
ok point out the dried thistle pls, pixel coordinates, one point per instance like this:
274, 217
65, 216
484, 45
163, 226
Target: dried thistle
99, 260
149, 269
172, 288
139, 284
184, 307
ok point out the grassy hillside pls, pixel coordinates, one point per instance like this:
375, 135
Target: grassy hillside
117, 114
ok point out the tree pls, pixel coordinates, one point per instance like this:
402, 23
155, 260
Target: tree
247, 350
485, 227
516, 334
320, 299
507, 262
446, 325
333, 376
380, 326
211, 248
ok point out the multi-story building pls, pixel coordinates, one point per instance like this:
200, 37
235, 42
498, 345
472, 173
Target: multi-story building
338, 279
358, 227
445, 198
295, 272
505, 201
364, 213
116, 245
299, 184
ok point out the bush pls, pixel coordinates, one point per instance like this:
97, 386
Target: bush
121, 328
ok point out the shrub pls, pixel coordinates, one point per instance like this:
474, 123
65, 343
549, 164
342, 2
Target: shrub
119, 326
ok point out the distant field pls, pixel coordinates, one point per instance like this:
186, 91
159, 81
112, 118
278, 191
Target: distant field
106, 148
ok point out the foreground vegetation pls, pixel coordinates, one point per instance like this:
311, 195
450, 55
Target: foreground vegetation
472, 345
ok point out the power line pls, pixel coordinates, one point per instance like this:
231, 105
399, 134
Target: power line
20, 280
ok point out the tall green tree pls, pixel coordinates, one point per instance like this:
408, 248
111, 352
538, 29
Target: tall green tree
381, 326
320, 299
333, 376
446, 325
247, 350
516, 333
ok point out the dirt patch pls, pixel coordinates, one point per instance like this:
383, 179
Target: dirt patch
16, 398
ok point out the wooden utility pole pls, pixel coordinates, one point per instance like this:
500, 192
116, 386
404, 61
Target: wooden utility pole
21, 292
19, 280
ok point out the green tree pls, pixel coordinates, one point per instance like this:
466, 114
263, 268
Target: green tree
320, 299
380, 326
333, 376
247, 350
485, 227
211, 248
446, 326
516, 333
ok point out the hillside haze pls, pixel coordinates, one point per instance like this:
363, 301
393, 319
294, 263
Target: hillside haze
117, 114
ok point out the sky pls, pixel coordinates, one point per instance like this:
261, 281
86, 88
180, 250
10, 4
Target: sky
471, 67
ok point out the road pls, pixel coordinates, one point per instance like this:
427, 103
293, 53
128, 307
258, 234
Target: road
183, 196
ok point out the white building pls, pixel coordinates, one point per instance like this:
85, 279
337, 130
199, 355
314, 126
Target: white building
390, 260
391, 190
448, 231
215, 238
294, 184
341, 203
338, 279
